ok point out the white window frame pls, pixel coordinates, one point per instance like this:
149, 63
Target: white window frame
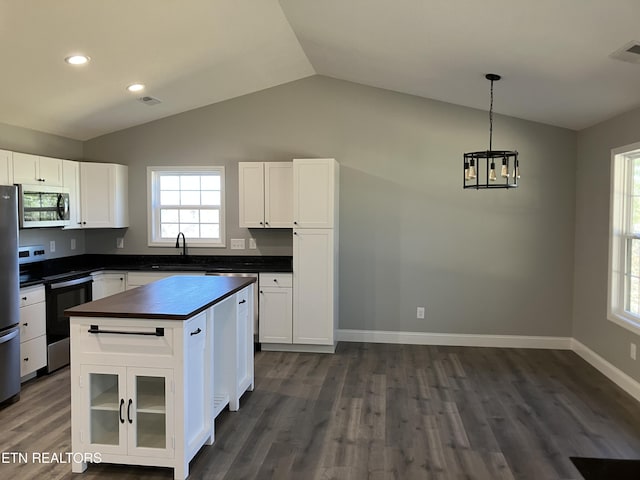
619, 234
153, 207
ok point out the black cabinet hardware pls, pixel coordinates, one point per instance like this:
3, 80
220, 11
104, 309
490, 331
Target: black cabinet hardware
120, 410
196, 332
129, 411
158, 333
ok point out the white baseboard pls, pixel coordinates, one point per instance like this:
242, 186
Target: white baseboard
454, 339
613, 373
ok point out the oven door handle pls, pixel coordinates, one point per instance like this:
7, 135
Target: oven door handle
70, 283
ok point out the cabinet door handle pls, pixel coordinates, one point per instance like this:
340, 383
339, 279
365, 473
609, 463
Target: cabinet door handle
129, 411
26, 359
295, 223
120, 410
196, 332
261, 291
266, 223
24, 299
26, 324
261, 223
242, 301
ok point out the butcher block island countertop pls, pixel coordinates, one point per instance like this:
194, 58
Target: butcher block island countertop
172, 298
153, 366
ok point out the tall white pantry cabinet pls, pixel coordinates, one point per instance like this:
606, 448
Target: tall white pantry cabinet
315, 252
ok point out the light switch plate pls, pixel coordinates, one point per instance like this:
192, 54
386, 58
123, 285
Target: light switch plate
252, 243
119, 242
52, 246
237, 244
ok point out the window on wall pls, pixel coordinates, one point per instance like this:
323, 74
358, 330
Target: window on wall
188, 200
624, 242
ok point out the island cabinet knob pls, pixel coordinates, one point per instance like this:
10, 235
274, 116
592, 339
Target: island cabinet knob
196, 332
26, 359
24, 299
26, 324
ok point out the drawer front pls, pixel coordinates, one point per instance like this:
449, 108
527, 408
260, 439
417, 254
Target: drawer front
283, 280
33, 355
31, 295
128, 342
32, 321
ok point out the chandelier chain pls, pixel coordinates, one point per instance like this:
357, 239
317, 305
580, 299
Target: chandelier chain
491, 120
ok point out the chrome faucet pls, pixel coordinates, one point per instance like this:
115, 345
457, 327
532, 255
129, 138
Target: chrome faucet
184, 243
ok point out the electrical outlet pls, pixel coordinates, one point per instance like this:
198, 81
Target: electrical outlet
237, 244
119, 242
632, 351
73, 244
52, 246
252, 243
420, 312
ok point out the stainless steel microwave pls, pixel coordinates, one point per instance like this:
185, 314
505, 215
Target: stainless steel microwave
43, 206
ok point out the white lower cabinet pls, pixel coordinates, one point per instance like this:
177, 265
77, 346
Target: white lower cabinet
276, 304
129, 411
314, 286
107, 283
33, 341
139, 390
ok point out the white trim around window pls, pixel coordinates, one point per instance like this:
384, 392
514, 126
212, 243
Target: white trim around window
188, 200
623, 293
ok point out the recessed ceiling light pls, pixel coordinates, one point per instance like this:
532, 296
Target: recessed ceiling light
77, 59
135, 87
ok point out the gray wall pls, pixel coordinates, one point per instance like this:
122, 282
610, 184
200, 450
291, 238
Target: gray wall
24, 140
490, 262
593, 178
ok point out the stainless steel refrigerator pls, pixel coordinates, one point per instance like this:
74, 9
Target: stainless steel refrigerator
9, 295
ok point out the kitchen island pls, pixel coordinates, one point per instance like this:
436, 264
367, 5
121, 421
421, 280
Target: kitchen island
152, 367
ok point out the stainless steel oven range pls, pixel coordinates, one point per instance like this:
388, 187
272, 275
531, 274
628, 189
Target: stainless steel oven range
62, 292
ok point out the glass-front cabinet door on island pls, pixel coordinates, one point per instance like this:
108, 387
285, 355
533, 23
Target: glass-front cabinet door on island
128, 410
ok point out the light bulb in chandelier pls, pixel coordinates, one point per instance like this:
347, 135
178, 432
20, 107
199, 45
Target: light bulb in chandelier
492, 172
466, 170
504, 171
472, 169
516, 170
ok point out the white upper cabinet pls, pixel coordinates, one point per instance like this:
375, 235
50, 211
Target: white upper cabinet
71, 181
33, 169
265, 194
104, 195
314, 192
6, 167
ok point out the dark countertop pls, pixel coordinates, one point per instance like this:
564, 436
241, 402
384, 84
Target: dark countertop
80, 265
172, 298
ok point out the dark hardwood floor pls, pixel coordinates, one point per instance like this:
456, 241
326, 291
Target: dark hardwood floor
375, 411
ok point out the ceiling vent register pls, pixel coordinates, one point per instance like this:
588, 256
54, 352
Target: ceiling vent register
628, 53
149, 100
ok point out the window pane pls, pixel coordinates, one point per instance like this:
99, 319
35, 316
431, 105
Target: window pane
169, 198
189, 216
211, 198
636, 176
189, 198
634, 295
634, 261
210, 182
190, 182
190, 230
635, 212
167, 215
209, 216
169, 182
169, 230
210, 230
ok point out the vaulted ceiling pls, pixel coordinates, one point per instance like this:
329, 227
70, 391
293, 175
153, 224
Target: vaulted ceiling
554, 56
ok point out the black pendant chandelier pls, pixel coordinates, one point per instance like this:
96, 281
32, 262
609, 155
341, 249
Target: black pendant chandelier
480, 167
